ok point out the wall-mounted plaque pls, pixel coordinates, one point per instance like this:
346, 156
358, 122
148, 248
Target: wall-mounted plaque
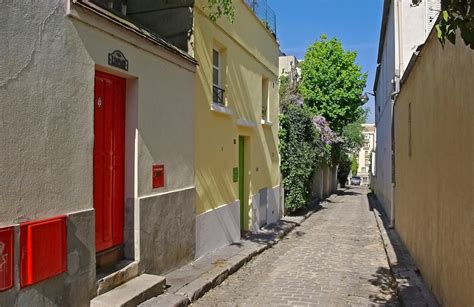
117, 59
235, 174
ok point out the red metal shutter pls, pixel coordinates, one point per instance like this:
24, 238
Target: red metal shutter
6, 258
43, 246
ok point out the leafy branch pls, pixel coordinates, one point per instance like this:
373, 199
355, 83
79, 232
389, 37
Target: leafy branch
455, 15
219, 8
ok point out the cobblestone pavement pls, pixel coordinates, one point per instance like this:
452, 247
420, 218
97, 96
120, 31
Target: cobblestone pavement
335, 258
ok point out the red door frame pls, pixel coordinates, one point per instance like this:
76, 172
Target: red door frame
109, 159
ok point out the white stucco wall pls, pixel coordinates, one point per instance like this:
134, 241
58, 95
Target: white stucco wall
383, 114
46, 90
406, 29
413, 30
46, 131
165, 108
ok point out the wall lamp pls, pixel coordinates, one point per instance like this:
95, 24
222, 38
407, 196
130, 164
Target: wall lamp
365, 97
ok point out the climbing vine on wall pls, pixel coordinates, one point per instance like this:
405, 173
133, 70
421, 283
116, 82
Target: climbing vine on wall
301, 150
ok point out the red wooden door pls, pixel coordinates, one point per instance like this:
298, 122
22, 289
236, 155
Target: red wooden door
109, 159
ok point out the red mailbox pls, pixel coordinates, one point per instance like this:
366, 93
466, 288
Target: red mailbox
43, 250
158, 176
6, 258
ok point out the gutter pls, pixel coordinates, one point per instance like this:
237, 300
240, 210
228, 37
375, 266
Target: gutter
383, 32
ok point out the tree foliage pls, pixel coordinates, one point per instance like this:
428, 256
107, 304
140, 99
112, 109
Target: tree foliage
219, 8
332, 83
355, 165
343, 170
352, 135
455, 15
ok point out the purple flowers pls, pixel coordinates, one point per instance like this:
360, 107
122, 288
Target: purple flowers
327, 135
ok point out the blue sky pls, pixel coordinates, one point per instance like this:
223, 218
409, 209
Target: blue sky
355, 22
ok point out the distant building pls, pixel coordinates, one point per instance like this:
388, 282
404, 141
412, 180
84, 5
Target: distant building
288, 65
365, 154
404, 28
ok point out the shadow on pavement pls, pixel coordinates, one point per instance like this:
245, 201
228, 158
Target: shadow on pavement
383, 279
411, 289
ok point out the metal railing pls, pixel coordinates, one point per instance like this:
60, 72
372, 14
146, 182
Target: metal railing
264, 13
217, 95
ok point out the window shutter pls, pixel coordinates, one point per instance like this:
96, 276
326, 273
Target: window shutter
433, 8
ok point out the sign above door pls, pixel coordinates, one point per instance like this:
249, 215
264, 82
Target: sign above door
117, 59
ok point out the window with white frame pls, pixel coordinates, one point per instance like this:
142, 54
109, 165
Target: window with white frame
217, 91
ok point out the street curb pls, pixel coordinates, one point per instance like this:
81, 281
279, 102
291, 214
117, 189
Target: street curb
195, 289
411, 290
211, 279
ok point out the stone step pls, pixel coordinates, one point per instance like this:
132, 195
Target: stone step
132, 293
166, 300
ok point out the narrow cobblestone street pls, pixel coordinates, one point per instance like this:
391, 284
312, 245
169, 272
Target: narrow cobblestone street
335, 258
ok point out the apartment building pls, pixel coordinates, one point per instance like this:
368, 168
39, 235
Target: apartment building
364, 158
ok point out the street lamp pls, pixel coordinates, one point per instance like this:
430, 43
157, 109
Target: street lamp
365, 97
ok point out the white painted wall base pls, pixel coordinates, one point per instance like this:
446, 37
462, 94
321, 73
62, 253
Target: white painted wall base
217, 228
266, 208
274, 208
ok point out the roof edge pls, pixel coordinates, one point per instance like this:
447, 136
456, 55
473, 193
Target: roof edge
383, 29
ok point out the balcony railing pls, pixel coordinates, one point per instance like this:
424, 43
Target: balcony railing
265, 13
217, 95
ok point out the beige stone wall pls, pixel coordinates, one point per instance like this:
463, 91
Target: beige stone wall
434, 193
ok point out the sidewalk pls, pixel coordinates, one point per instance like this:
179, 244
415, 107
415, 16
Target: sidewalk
411, 289
192, 281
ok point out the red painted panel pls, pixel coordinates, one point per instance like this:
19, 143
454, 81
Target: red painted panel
6, 258
43, 246
158, 174
109, 159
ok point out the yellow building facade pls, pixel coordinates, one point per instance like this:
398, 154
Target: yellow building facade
434, 191
236, 131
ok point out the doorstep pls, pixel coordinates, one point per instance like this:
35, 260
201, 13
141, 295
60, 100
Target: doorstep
131, 293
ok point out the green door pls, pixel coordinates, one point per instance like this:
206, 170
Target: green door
242, 180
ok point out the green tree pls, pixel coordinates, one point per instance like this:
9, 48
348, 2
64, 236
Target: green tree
455, 15
332, 83
355, 165
352, 135
343, 170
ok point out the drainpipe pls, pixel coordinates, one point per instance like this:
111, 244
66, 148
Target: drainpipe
396, 90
